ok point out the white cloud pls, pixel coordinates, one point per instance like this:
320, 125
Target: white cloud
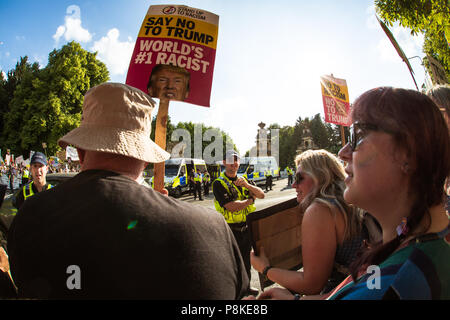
411, 45
59, 33
371, 21
115, 54
72, 29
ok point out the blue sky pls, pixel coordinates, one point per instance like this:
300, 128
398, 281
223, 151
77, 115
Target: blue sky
269, 58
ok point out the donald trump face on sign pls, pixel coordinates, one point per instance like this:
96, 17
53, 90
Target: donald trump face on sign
168, 82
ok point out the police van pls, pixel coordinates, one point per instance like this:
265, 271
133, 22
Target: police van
176, 174
255, 168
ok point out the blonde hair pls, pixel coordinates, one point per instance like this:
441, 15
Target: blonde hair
328, 175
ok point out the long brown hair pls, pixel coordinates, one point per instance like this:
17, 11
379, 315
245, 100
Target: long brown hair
416, 125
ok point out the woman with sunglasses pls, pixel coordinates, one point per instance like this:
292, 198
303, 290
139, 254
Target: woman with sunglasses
332, 230
397, 160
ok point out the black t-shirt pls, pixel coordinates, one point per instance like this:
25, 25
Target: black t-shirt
221, 194
128, 241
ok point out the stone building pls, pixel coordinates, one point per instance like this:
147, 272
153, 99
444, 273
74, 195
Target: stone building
307, 142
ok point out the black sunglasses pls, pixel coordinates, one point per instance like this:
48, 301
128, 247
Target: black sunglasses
298, 178
358, 131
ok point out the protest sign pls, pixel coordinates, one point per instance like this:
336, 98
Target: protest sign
20, 161
178, 40
173, 59
71, 153
335, 100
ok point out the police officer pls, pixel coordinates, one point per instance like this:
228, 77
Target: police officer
198, 185
290, 176
206, 182
235, 199
268, 174
38, 170
191, 182
25, 176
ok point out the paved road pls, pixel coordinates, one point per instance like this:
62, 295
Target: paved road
281, 192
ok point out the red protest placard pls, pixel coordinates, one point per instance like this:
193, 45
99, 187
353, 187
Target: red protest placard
174, 55
335, 100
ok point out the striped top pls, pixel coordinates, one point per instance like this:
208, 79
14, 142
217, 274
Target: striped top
420, 270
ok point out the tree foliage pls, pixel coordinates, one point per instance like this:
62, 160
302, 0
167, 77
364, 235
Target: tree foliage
194, 132
44, 104
208, 136
325, 136
429, 17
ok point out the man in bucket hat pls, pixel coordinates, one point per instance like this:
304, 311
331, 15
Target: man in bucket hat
38, 169
102, 235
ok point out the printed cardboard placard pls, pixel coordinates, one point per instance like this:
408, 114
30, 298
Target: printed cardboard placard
335, 100
174, 55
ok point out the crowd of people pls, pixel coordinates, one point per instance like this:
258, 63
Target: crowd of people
384, 208
14, 176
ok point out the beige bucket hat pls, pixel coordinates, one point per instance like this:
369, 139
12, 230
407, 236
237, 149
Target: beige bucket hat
116, 119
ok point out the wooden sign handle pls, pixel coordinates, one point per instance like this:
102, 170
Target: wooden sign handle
160, 140
343, 136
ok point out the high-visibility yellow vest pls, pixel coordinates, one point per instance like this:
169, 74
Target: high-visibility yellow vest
28, 190
25, 174
197, 177
152, 181
236, 216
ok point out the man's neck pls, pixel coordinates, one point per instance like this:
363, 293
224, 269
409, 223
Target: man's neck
39, 186
127, 166
231, 175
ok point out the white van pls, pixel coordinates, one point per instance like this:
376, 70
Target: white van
176, 174
254, 168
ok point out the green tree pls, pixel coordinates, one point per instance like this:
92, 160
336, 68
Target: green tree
429, 17
190, 127
47, 103
4, 104
169, 129
325, 135
17, 90
288, 146
334, 137
298, 134
319, 132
